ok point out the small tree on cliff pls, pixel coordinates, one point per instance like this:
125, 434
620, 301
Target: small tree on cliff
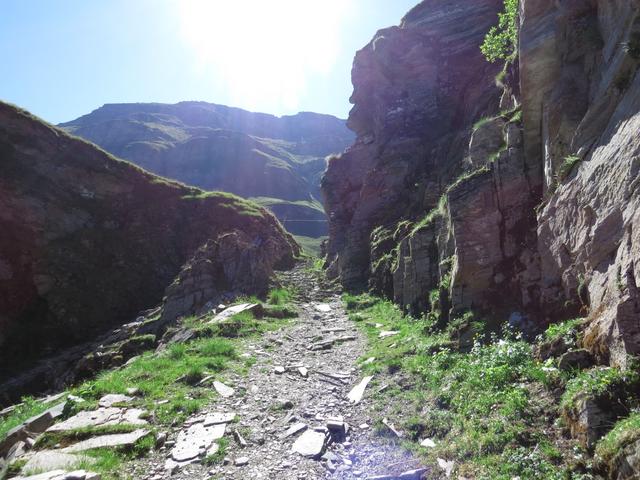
501, 43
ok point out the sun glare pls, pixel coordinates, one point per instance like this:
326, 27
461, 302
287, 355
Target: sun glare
264, 51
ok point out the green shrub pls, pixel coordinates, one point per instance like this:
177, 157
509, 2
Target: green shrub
501, 42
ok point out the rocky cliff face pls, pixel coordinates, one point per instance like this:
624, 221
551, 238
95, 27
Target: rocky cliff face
514, 198
221, 148
88, 241
416, 89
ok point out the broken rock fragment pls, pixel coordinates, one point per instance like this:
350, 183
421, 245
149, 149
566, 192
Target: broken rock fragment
356, 393
310, 444
223, 390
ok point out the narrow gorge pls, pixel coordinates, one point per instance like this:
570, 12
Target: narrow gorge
442, 286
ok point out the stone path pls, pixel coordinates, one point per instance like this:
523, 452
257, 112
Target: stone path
304, 411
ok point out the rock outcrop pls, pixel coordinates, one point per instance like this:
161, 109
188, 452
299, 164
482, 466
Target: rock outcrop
417, 88
515, 199
88, 241
277, 160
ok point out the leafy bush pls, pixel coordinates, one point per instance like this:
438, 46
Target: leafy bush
501, 42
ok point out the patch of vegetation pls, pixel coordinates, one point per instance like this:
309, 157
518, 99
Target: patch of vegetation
218, 457
567, 330
604, 383
466, 176
566, 167
501, 42
478, 406
66, 438
280, 296
622, 81
30, 407
438, 212
624, 433
228, 201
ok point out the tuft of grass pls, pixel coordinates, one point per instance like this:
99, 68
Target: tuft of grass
280, 296
567, 166
218, 457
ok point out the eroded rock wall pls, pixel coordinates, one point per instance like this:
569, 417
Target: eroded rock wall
538, 203
417, 87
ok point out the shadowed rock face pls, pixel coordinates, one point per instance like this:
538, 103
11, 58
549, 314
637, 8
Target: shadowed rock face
88, 240
417, 88
518, 236
221, 148
588, 230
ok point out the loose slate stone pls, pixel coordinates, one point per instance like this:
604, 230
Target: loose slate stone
217, 418
323, 307
195, 440
113, 398
241, 461
52, 475
101, 417
231, 311
356, 393
223, 390
304, 372
279, 370
48, 460
447, 466
428, 443
293, 430
116, 440
310, 444
413, 474
388, 333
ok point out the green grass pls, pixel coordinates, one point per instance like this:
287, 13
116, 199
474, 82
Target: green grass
310, 245
280, 296
567, 166
218, 457
167, 381
624, 433
228, 201
568, 330
477, 406
30, 407
605, 383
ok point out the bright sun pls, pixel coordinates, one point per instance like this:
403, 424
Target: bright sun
264, 50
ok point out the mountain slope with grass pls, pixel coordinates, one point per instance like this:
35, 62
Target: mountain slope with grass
89, 241
215, 147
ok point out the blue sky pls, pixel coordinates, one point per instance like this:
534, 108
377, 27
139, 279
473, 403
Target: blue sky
63, 58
